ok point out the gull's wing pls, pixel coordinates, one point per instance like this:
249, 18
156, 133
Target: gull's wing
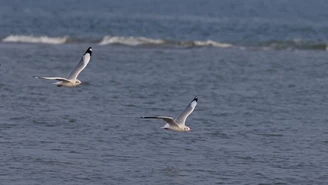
181, 119
53, 78
81, 65
167, 119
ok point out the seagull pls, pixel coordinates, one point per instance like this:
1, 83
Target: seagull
71, 80
177, 124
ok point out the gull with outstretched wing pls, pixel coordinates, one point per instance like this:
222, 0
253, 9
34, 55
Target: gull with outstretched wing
178, 124
71, 80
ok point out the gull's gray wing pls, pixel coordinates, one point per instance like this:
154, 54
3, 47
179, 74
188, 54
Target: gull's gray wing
167, 119
81, 65
53, 78
181, 119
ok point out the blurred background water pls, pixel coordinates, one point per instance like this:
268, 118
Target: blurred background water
258, 67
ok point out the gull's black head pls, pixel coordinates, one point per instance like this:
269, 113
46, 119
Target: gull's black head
89, 50
195, 99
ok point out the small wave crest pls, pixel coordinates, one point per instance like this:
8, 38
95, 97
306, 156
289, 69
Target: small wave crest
130, 41
136, 41
35, 39
212, 43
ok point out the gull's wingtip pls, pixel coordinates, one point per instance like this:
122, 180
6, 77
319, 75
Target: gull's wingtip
36, 77
195, 99
89, 50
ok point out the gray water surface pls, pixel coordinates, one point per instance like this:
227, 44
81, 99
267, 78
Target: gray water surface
261, 116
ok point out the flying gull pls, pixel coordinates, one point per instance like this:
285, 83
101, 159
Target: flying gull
71, 80
177, 124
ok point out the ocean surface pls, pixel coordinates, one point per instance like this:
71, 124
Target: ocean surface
259, 68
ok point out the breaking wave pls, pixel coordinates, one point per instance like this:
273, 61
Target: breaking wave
144, 41
114, 40
130, 41
34, 39
136, 41
213, 43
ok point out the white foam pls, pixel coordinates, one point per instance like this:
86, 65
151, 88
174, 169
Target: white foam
212, 43
130, 41
34, 39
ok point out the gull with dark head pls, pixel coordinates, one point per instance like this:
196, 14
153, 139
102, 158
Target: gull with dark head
71, 80
177, 124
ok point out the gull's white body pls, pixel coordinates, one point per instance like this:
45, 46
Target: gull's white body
71, 80
178, 124
68, 83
